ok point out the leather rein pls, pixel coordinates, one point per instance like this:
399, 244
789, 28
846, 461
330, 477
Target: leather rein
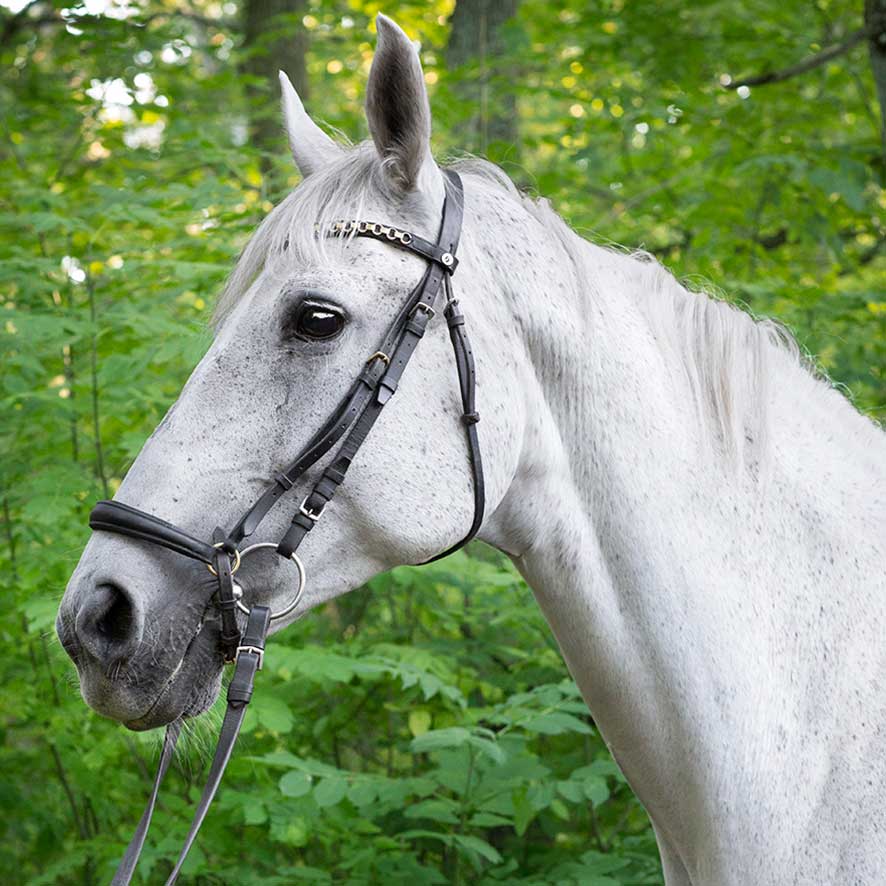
350, 423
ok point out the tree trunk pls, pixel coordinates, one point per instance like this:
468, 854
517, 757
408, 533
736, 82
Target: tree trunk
275, 40
875, 20
476, 42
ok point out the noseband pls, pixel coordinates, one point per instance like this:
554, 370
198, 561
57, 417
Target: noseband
350, 422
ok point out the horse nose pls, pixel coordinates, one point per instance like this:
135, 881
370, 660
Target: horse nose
108, 624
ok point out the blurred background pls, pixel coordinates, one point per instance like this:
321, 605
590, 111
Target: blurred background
423, 729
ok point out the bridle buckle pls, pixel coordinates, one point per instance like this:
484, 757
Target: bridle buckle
234, 566
379, 355
255, 650
422, 306
313, 516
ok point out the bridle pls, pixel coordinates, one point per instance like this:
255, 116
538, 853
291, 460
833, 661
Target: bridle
350, 422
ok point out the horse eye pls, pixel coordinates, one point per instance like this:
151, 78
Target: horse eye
318, 323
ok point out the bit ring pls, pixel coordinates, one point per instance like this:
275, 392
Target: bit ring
296, 597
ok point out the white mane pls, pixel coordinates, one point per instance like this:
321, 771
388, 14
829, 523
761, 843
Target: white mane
729, 357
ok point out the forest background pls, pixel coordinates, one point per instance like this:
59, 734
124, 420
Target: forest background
424, 729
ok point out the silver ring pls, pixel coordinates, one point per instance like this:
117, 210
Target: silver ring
301, 580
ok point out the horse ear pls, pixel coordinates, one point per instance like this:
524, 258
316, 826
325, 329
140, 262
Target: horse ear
397, 108
311, 147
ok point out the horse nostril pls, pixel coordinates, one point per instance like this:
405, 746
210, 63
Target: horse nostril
108, 624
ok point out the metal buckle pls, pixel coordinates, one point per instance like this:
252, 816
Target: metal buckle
421, 306
257, 650
237, 558
311, 515
380, 355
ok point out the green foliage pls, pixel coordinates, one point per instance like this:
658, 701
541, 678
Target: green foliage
424, 729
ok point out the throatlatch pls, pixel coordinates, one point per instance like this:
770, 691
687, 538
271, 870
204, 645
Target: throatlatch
350, 423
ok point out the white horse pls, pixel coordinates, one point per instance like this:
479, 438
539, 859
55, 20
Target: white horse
702, 519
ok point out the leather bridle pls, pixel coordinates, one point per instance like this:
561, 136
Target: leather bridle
350, 423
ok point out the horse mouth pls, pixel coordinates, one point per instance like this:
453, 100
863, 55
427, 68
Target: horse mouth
166, 709
191, 687
149, 719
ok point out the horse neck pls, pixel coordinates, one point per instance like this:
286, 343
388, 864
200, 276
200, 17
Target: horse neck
701, 594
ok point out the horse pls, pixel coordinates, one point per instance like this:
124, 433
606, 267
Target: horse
701, 517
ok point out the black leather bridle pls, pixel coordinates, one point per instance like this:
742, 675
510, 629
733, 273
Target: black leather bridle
350, 423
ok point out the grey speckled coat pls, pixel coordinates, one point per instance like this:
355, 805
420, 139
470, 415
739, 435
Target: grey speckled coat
703, 522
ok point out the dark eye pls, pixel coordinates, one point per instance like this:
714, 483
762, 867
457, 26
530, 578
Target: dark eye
318, 322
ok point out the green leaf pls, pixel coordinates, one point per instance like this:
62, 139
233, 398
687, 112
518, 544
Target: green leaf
481, 847
488, 820
603, 863
362, 792
441, 810
419, 722
438, 739
556, 723
273, 713
524, 811
572, 791
295, 784
330, 792
596, 790
255, 813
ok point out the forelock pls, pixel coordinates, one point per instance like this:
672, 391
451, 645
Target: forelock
354, 186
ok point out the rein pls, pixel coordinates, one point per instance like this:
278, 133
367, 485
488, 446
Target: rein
350, 422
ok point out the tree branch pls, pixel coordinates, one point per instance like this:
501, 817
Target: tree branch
808, 64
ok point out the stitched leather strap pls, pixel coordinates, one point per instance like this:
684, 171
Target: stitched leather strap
421, 304
126, 868
467, 381
114, 516
229, 638
249, 660
334, 475
433, 252
331, 432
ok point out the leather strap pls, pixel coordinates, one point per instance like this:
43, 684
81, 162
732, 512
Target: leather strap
249, 661
416, 321
331, 432
126, 868
467, 381
229, 638
114, 516
432, 252
334, 475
